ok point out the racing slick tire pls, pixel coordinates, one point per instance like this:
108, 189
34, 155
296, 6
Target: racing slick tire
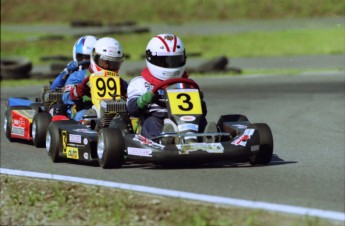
8, 120
39, 127
53, 139
110, 148
264, 155
53, 142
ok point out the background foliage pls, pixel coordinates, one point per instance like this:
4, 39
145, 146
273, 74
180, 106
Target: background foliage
167, 11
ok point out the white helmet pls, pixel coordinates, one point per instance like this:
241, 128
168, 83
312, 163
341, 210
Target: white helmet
165, 56
82, 48
107, 54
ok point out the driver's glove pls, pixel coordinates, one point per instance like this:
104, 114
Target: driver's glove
81, 89
72, 66
145, 99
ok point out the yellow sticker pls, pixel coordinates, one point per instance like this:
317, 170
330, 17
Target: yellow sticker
104, 88
184, 101
110, 73
72, 153
64, 141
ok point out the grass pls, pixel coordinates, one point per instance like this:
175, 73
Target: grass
246, 44
173, 11
29, 201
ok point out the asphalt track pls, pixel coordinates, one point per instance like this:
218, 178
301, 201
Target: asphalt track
306, 114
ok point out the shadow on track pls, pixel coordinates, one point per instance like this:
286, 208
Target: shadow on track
187, 165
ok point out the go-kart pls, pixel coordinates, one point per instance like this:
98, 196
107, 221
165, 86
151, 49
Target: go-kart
28, 120
234, 139
68, 139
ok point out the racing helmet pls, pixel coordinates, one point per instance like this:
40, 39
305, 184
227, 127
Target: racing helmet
165, 56
83, 47
107, 54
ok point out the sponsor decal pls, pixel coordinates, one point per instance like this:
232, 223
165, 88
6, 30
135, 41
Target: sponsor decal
188, 126
169, 37
72, 153
187, 118
85, 141
20, 122
86, 155
146, 141
208, 147
64, 140
84, 130
140, 151
18, 130
242, 140
74, 138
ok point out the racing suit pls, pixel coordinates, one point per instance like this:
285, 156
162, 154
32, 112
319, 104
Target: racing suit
152, 117
82, 103
73, 66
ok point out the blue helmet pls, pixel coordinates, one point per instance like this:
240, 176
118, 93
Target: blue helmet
82, 48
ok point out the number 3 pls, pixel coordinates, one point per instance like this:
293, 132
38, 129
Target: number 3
186, 101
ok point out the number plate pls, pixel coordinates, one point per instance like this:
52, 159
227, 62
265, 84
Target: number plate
104, 88
184, 101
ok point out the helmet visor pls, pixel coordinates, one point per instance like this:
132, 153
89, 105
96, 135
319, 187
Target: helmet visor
172, 61
107, 62
82, 57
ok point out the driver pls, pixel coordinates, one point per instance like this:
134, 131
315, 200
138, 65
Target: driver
81, 53
107, 54
165, 59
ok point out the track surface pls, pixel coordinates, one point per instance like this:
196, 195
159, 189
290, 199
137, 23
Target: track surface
306, 114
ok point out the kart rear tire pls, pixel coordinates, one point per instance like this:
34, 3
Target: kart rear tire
8, 120
264, 155
110, 148
39, 127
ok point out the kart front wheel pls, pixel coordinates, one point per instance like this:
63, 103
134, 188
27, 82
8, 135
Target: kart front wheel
53, 142
40, 124
110, 148
265, 152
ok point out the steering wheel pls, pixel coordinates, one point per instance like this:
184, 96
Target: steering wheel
173, 81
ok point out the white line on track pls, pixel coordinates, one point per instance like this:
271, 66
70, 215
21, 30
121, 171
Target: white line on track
338, 216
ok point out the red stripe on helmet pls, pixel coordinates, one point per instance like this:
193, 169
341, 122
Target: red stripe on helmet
165, 44
175, 42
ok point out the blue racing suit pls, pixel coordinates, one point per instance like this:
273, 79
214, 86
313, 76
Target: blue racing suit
82, 104
73, 66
